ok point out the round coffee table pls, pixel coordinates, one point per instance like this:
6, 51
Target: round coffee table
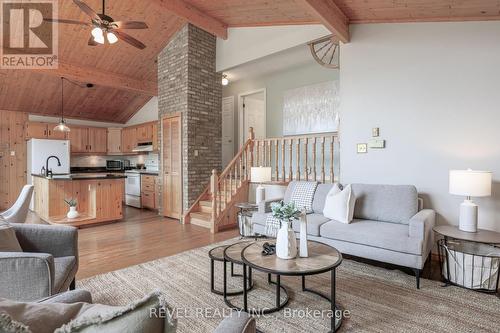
217, 254
232, 254
322, 258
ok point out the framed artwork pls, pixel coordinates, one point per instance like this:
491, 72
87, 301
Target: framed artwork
311, 109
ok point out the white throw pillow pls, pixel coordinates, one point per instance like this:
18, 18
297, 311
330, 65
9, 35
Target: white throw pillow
339, 205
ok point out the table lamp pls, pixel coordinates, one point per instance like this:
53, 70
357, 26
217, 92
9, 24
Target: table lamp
469, 183
260, 175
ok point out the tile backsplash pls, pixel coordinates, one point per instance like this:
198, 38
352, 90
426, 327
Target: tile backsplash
151, 160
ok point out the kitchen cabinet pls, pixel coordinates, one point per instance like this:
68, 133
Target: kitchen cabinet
148, 191
155, 136
145, 132
37, 130
88, 140
129, 139
78, 138
97, 140
114, 140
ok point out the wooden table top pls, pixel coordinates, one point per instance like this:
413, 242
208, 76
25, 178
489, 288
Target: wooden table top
481, 236
233, 252
322, 258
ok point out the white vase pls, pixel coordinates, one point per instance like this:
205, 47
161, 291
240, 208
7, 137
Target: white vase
73, 213
303, 236
286, 244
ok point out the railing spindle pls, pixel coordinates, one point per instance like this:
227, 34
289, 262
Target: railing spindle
283, 172
257, 144
276, 165
298, 159
290, 176
306, 146
332, 178
323, 159
314, 158
269, 143
214, 182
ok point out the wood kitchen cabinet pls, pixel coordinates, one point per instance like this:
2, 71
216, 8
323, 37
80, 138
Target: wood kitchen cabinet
114, 140
97, 140
129, 139
78, 138
145, 132
88, 139
37, 130
155, 136
148, 191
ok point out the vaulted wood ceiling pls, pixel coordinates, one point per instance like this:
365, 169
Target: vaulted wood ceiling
125, 77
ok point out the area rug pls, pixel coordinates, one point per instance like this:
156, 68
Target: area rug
378, 299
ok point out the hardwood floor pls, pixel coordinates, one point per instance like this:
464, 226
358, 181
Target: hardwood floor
141, 236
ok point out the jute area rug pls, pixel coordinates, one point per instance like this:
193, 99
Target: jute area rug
378, 299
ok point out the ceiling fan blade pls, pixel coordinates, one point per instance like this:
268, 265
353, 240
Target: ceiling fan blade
87, 10
92, 42
129, 25
129, 39
66, 21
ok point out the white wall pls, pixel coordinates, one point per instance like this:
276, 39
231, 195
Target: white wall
434, 91
149, 112
247, 44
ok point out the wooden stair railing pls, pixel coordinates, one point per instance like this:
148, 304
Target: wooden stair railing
214, 208
306, 157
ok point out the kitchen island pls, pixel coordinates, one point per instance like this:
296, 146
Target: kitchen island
99, 197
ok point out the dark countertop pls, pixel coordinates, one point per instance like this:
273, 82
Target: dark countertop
82, 176
103, 170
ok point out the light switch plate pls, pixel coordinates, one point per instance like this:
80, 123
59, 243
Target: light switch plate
375, 131
13, 153
362, 148
376, 143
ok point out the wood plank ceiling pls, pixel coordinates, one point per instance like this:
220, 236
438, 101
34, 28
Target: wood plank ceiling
136, 70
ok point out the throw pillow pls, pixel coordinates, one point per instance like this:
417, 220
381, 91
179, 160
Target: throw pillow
303, 195
339, 205
8, 239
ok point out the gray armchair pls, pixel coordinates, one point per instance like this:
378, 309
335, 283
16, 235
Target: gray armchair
47, 265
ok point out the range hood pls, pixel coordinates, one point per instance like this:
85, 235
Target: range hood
143, 146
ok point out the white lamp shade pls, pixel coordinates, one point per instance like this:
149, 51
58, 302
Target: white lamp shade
470, 183
260, 174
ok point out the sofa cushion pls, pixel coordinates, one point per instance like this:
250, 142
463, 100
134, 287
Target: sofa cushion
260, 218
384, 235
8, 239
289, 191
320, 196
314, 222
339, 204
388, 203
64, 271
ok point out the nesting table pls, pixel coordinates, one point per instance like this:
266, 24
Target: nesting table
322, 258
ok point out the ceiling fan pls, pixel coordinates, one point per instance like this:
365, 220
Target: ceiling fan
104, 27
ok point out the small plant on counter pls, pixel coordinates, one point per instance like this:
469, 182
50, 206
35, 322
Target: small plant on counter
71, 202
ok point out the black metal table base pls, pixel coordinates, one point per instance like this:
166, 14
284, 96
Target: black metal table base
228, 293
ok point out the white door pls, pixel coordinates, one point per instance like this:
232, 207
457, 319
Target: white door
253, 114
227, 130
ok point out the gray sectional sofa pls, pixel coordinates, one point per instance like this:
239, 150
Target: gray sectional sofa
389, 225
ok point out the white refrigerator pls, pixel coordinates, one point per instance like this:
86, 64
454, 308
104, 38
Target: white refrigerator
38, 152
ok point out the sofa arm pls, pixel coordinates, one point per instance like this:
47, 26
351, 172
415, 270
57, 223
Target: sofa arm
265, 205
26, 276
69, 297
421, 224
58, 240
238, 322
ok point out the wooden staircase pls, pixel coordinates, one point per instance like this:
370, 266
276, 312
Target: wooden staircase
308, 157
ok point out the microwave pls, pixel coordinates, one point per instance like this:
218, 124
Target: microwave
117, 165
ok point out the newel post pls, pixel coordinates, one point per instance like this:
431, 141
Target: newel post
214, 181
251, 137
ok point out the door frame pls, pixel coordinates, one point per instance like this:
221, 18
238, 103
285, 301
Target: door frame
233, 139
168, 116
241, 130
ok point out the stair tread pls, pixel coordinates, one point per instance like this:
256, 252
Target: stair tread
201, 216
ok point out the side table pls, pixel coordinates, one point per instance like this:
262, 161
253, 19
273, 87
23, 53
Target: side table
246, 210
469, 259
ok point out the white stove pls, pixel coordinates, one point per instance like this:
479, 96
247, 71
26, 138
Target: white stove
133, 189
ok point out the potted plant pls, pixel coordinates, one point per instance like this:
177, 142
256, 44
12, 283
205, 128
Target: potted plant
286, 244
73, 213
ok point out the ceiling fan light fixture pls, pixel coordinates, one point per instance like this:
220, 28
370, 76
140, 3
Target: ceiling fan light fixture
225, 80
96, 32
112, 38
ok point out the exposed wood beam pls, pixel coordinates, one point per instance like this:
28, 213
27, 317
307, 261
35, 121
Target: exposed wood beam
195, 16
103, 78
330, 15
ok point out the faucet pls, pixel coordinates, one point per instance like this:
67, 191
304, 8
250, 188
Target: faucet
47, 171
